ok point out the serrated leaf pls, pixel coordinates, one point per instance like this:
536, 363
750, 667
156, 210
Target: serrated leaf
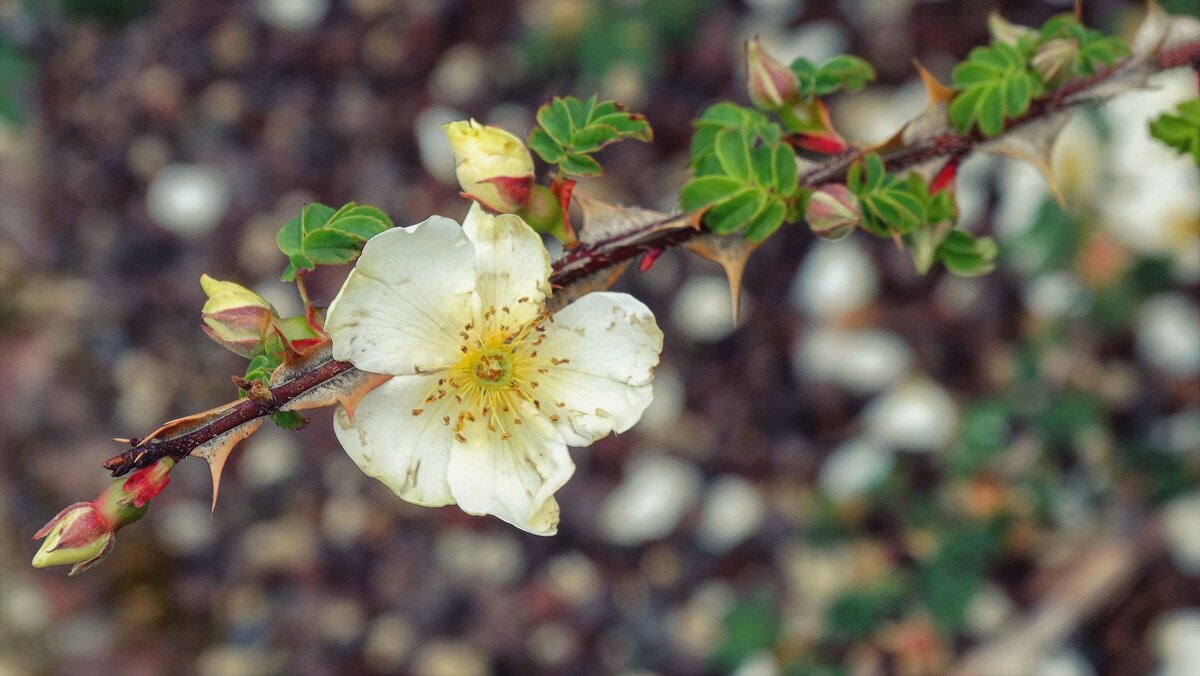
289, 237
330, 247
581, 165
1180, 131
546, 147
554, 118
767, 221
995, 84
731, 150
628, 125
314, 216
593, 137
705, 191
842, 72
785, 170
735, 212
360, 221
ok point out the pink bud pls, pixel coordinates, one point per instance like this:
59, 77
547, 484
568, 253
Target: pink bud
833, 212
772, 85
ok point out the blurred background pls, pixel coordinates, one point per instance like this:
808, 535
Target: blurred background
874, 473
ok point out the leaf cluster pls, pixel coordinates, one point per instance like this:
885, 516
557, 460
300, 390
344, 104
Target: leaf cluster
998, 82
1180, 131
569, 131
889, 203
1094, 50
322, 235
841, 72
745, 173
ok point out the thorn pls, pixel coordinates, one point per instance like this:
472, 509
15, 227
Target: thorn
938, 93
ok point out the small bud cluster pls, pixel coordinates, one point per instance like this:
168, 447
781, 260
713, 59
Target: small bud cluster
84, 533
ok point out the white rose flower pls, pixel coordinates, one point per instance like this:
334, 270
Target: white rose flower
488, 388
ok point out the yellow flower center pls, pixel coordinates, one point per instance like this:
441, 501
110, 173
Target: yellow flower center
499, 370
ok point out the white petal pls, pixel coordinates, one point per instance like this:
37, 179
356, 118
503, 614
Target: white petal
407, 453
514, 479
512, 264
612, 343
404, 304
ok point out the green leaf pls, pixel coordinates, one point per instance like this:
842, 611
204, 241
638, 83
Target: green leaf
767, 221
735, 212
360, 221
330, 247
1095, 49
965, 255
732, 151
581, 165
555, 120
1180, 131
888, 203
842, 72
314, 216
593, 137
704, 191
289, 238
546, 147
289, 420
569, 130
785, 170
995, 84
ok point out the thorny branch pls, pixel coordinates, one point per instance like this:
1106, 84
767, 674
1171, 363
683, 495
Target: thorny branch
586, 260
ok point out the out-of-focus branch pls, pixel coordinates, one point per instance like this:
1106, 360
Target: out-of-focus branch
587, 260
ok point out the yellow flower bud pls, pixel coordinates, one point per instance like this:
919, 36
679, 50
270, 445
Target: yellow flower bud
235, 316
493, 166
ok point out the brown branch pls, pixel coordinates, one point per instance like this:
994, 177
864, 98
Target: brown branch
586, 260
179, 447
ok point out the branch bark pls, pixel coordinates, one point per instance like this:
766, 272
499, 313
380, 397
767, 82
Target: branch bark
584, 261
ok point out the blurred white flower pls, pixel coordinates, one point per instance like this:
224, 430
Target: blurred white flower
488, 388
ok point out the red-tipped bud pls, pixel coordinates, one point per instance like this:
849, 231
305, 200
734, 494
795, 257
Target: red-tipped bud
235, 316
85, 532
772, 85
78, 535
833, 212
493, 167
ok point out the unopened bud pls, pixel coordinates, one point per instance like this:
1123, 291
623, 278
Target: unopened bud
1055, 60
85, 532
79, 536
833, 212
772, 85
235, 316
493, 167
1005, 31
